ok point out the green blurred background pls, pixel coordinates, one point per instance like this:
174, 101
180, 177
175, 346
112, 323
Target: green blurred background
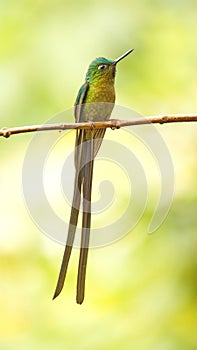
141, 291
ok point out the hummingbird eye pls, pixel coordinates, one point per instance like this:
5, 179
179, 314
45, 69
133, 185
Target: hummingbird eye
102, 66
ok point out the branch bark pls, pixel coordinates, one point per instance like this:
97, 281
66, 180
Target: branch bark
113, 124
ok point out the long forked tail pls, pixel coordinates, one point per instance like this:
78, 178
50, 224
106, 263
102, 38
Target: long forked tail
86, 221
83, 180
71, 234
74, 212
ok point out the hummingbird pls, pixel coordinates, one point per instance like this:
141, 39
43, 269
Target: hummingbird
94, 102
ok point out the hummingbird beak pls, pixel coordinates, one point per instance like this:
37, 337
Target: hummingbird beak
121, 57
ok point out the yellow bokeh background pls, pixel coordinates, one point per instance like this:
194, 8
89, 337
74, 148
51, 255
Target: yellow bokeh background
141, 292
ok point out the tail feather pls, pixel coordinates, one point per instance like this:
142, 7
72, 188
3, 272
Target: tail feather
86, 223
74, 212
87, 146
71, 235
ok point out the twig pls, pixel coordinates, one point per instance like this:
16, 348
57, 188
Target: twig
113, 124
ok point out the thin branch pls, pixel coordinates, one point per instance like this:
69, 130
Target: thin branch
113, 124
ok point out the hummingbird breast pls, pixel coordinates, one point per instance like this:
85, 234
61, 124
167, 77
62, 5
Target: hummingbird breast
100, 101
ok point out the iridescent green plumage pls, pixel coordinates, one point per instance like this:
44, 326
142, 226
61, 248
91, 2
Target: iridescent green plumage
95, 102
98, 87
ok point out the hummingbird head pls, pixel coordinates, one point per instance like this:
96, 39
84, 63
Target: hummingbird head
100, 69
103, 69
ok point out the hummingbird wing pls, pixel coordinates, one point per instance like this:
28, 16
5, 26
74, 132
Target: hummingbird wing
79, 154
80, 100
